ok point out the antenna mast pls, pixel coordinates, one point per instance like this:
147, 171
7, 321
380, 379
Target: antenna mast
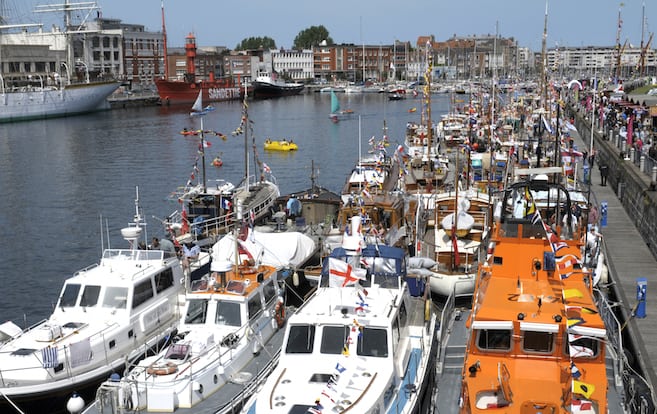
618, 45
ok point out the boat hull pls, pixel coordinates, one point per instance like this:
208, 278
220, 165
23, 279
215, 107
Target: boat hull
269, 90
180, 92
51, 103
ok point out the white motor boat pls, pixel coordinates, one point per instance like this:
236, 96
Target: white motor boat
107, 315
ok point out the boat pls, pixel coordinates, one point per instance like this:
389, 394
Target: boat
39, 95
229, 336
107, 315
185, 90
540, 336
397, 94
280, 145
211, 208
267, 85
338, 114
454, 242
364, 342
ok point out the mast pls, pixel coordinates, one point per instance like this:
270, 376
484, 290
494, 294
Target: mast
164, 46
427, 96
618, 46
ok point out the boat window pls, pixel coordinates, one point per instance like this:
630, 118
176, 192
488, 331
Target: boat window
494, 339
143, 292
538, 342
301, 339
90, 295
178, 351
373, 342
164, 280
582, 346
334, 339
255, 306
196, 310
269, 291
115, 297
69, 296
228, 313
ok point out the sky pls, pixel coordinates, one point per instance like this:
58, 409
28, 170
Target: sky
373, 22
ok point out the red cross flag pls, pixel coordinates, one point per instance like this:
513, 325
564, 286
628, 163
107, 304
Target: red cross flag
341, 274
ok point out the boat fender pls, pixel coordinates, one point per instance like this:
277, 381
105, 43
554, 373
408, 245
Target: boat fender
295, 278
279, 313
162, 369
427, 310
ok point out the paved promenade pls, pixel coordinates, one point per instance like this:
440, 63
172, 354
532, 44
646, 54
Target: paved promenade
628, 258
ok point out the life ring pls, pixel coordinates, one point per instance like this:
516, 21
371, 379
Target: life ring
165, 369
279, 314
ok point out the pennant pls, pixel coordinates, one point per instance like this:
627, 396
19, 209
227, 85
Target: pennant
340, 368
266, 168
574, 371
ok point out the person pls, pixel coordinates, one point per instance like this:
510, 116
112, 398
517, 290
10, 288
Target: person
165, 245
604, 171
190, 253
293, 207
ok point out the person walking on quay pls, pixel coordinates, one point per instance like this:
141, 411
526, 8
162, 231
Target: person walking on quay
604, 171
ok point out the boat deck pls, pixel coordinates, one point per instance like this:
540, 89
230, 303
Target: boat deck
230, 397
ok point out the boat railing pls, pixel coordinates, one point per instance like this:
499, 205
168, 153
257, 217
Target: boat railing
99, 354
446, 321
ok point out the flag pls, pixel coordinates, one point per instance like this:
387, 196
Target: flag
340, 368
531, 212
572, 293
566, 264
574, 371
341, 274
583, 388
553, 239
266, 168
226, 204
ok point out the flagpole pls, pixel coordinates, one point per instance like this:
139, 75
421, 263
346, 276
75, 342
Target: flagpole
203, 157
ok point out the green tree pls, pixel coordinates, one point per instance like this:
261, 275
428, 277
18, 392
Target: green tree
256, 43
311, 37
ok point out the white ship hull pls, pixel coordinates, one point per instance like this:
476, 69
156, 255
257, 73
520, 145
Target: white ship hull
50, 103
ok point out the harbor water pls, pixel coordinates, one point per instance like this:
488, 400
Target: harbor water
68, 185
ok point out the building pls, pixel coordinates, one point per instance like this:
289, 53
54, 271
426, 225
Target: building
621, 62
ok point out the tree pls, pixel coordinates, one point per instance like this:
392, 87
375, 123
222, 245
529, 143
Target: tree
256, 43
311, 37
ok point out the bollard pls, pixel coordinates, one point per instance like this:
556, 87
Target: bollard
653, 178
623, 147
632, 154
641, 290
642, 163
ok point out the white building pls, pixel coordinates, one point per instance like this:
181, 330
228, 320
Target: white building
296, 64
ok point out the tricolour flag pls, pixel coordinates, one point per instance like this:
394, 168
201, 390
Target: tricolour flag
341, 273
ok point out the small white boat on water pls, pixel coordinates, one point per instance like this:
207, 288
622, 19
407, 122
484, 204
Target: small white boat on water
362, 343
107, 315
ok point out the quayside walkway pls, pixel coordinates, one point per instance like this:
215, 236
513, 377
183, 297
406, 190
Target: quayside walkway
628, 256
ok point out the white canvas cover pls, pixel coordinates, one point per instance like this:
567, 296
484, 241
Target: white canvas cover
274, 249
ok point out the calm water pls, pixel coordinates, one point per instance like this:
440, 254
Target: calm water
59, 177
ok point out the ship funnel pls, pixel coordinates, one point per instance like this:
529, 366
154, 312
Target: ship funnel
352, 237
